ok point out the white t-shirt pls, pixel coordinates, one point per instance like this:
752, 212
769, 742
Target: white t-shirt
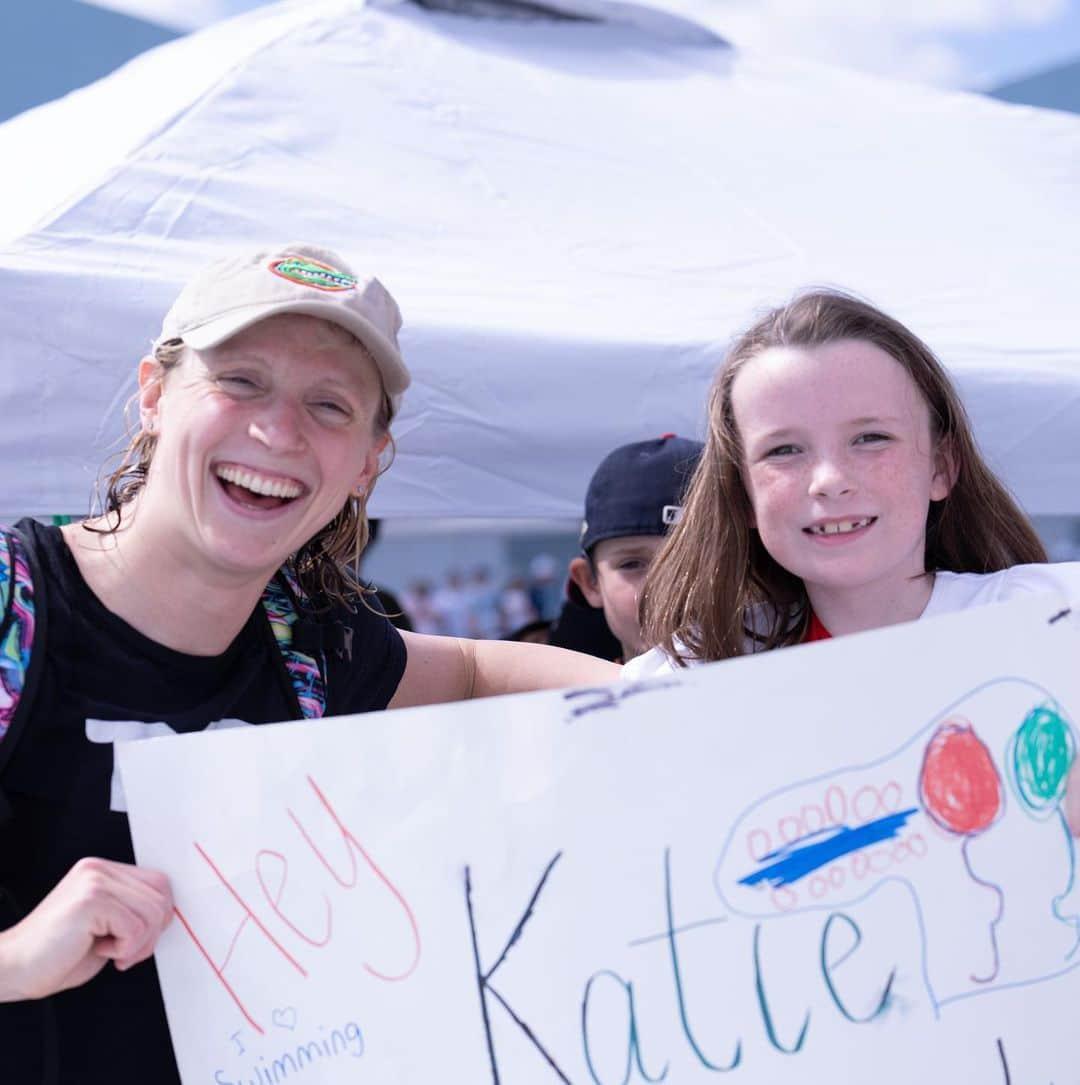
952, 591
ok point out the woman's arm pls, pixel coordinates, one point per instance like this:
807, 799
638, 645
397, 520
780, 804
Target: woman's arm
441, 669
99, 911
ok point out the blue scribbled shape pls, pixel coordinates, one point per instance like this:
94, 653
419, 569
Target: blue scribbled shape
800, 858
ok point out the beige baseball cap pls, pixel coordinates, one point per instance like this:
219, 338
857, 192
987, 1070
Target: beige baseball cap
237, 291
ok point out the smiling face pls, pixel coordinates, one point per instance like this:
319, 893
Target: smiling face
259, 441
840, 466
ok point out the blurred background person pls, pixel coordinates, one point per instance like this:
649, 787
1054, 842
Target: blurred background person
420, 607
515, 605
451, 606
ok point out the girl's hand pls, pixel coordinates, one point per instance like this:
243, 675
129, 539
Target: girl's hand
100, 911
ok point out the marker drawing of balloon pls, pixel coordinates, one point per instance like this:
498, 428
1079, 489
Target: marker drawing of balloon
961, 791
959, 784
1039, 758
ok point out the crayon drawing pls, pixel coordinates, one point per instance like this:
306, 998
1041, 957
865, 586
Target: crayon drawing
974, 787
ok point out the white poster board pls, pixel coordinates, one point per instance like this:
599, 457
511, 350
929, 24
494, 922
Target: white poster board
840, 863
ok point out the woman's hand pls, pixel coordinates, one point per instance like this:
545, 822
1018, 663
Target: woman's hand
100, 911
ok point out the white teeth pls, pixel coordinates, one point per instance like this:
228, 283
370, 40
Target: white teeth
840, 527
257, 484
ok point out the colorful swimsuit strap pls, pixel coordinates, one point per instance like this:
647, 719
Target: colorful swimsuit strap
16, 625
305, 673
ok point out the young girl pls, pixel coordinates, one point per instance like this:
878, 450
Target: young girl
840, 490
264, 412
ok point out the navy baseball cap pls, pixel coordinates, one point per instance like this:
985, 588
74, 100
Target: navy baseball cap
638, 489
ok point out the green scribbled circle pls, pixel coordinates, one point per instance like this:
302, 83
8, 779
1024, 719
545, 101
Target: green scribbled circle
1042, 755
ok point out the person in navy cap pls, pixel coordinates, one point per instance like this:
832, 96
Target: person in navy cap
634, 496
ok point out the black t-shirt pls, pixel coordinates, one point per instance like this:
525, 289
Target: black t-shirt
59, 783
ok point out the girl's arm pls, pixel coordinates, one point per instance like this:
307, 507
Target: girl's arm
441, 669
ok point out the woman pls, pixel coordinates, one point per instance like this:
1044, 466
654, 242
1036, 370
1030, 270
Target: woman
264, 414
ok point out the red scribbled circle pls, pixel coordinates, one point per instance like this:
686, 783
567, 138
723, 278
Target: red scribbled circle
880, 860
812, 818
891, 794
784, 898
836, 805
959, 784
867, 804
758, 844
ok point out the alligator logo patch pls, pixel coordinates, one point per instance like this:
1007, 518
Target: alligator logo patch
298, 269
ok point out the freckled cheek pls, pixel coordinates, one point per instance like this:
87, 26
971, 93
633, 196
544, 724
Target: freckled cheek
901, 479
772, 496
883, 468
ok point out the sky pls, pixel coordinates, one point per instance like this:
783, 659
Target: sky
49, 47
969, 44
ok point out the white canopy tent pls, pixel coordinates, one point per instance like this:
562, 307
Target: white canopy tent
575, 217
185, 15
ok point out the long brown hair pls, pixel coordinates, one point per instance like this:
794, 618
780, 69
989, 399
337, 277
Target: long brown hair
326, 567
714, 587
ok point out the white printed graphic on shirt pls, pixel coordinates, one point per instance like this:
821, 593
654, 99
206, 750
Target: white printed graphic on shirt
106, 732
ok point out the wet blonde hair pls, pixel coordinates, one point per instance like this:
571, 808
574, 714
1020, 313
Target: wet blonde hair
327, 566
713, 574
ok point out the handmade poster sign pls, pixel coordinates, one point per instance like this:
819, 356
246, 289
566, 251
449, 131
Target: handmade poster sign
844, 862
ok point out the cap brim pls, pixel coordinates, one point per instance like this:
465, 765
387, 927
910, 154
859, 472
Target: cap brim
395, 374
